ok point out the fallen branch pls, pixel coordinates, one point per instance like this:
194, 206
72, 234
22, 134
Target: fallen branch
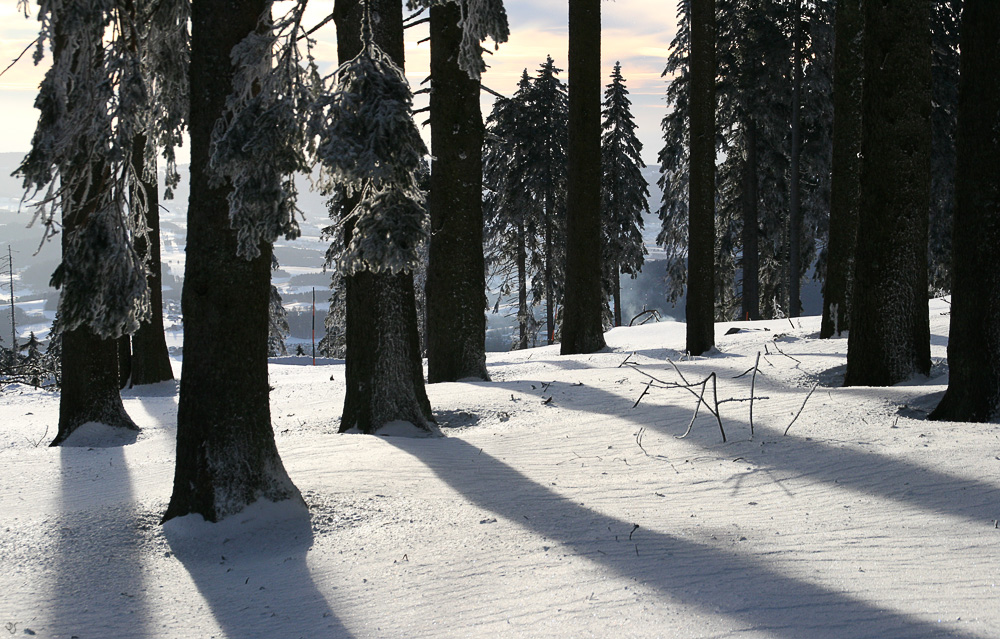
783, 353
801, 408
652, 313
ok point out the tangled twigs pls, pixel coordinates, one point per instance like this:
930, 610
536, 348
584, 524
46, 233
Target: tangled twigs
689, 387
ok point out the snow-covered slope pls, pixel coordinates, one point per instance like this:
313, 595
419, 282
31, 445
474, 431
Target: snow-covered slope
552, 508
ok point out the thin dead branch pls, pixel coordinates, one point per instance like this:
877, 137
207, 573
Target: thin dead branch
801, 407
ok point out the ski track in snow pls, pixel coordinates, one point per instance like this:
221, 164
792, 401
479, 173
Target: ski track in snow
552, 508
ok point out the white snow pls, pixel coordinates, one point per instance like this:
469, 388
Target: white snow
551, 508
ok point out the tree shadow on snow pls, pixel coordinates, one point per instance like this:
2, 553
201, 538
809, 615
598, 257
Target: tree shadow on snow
718, 581
257, 580
98, 587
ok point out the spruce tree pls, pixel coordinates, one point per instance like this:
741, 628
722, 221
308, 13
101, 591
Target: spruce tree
974, 340
624, 192
890, 335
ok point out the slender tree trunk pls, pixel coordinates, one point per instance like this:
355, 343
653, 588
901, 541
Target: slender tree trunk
617, 292
550, 297
383, 367
150, 361
226, 456
845, 189
974, 341
522, 288
700, 303
751, 227
456, 281
582, 326
795, 209
890, 334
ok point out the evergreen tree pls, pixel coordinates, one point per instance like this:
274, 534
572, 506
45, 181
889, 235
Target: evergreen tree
890, 334
373, 151
226, 456
974, 340
624, 192
334, 341
511, 215
277, 325
547, 111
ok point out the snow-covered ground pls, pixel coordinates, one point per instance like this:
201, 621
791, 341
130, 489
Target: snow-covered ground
551, 508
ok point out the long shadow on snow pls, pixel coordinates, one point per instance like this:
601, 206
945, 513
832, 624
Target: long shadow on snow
98, 587
887, 477
719, 582
257, 582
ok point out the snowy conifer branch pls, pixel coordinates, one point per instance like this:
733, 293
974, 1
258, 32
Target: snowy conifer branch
371, 151
481, 19
91, 102
260, 142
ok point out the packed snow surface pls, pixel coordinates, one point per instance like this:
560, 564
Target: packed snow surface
554, 506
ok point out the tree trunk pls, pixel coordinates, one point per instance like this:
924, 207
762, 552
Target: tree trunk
226, 456
617, 293
700, 303
890, 335
974, 341
383, 367
582, 325
456, 281
124, 360
795, 209
550, 311
845, 188
522, 288
90, 387
150, 362
751, 226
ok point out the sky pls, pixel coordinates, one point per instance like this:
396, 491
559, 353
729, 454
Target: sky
635, 32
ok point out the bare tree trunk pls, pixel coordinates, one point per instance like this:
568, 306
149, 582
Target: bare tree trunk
751, 226
700, 304
583, 326
890, 334
456, 283
617, 293
550, 296
974, 341
845, 189
795, 209
226, 456
522, 288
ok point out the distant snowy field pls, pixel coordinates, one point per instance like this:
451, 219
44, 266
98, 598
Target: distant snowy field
551, 508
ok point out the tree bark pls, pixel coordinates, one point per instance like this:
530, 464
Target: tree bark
522, 288
751, 226
456, 281
845, 188
973, 393
150, 361
795, 209
700, 303
383, 367
890, 334
616, 285
226, 456
582, 325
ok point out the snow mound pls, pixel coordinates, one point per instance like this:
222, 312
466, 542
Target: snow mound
98, 435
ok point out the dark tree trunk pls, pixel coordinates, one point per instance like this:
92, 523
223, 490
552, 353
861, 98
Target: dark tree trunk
795, 209
550, 297
124, 360
700, 304
751, 227
150, 361
456, 281
583, 305
383, 369
974, 342
522, 288
890, 335
89, 363
226, 456
845, 189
